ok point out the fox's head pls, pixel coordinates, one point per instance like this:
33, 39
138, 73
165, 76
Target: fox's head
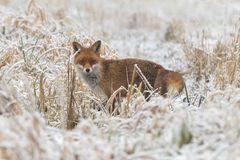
87, 60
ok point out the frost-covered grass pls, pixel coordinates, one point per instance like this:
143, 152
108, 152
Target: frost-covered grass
41, 98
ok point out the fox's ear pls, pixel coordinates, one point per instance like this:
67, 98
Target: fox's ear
76, 46
96, 46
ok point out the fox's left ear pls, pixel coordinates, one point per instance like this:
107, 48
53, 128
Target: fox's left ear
96, 46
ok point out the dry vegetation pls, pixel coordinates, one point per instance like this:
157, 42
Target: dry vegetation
221, 64
48, 113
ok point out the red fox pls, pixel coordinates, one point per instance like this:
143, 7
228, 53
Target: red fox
105, 76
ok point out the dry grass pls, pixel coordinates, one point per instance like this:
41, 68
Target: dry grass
48, 113
220, 64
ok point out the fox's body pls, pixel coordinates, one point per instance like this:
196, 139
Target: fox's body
106, 76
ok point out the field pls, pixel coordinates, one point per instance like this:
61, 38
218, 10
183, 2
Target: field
47, 112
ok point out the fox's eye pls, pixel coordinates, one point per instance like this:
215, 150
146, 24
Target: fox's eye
81, 61
93, 61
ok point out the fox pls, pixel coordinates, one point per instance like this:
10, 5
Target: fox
104, 76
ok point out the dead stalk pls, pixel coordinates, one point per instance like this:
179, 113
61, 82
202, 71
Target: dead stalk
42, 106
144, 79
71, 120
130, 91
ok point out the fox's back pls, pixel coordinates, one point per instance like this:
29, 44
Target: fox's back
117, 73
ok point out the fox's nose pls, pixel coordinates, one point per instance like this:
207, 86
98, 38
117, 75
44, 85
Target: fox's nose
87, 70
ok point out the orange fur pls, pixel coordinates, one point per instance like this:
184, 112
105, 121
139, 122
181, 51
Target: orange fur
106, 76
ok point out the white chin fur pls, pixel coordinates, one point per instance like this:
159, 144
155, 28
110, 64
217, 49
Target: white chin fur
92, 78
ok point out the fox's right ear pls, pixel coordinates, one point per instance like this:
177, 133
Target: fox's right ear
76, 46
96, 46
